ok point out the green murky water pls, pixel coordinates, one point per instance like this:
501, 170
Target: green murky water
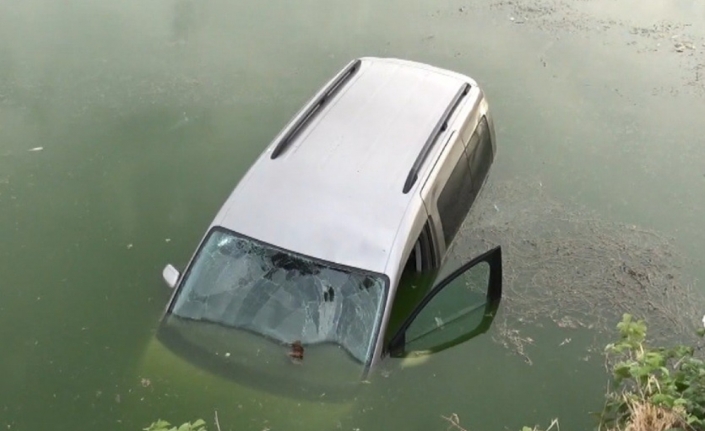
124, 125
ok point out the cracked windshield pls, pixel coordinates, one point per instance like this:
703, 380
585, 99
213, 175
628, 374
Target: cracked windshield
241, 283
125, 126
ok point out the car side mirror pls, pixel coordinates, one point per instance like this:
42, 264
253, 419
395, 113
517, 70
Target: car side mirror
171, 275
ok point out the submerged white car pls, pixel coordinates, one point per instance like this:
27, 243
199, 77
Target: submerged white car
306, 272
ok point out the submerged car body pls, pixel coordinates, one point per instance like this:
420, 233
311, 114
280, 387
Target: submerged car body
366, 186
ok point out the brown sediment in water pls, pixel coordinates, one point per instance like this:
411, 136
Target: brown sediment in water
564, 263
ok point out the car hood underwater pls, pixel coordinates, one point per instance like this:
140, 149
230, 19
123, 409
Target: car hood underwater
191, 369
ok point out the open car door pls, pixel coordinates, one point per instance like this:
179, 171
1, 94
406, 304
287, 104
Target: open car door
458, 308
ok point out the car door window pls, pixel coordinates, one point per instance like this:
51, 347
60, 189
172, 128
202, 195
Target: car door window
455, 199
459, 306
481, 154
462, 297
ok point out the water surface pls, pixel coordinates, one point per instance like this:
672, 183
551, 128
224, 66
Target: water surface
143, 116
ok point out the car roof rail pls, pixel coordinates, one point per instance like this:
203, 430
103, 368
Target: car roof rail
335, 85
441, 127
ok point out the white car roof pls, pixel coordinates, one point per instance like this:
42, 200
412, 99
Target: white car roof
334, 190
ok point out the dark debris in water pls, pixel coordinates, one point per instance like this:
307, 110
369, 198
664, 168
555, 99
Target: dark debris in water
576, 269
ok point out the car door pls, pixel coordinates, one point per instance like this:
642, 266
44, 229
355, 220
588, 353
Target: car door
458, 308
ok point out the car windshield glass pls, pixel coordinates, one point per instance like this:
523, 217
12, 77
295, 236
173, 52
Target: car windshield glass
242, 283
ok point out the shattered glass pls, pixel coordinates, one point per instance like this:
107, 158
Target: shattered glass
242, 283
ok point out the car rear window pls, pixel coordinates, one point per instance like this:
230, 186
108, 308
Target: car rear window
242, 283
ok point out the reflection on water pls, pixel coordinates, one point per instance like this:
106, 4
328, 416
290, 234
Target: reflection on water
149, 112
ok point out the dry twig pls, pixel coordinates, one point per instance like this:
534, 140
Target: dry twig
454, 422
217, 424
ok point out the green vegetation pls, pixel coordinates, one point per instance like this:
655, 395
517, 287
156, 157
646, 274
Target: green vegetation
652, 388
